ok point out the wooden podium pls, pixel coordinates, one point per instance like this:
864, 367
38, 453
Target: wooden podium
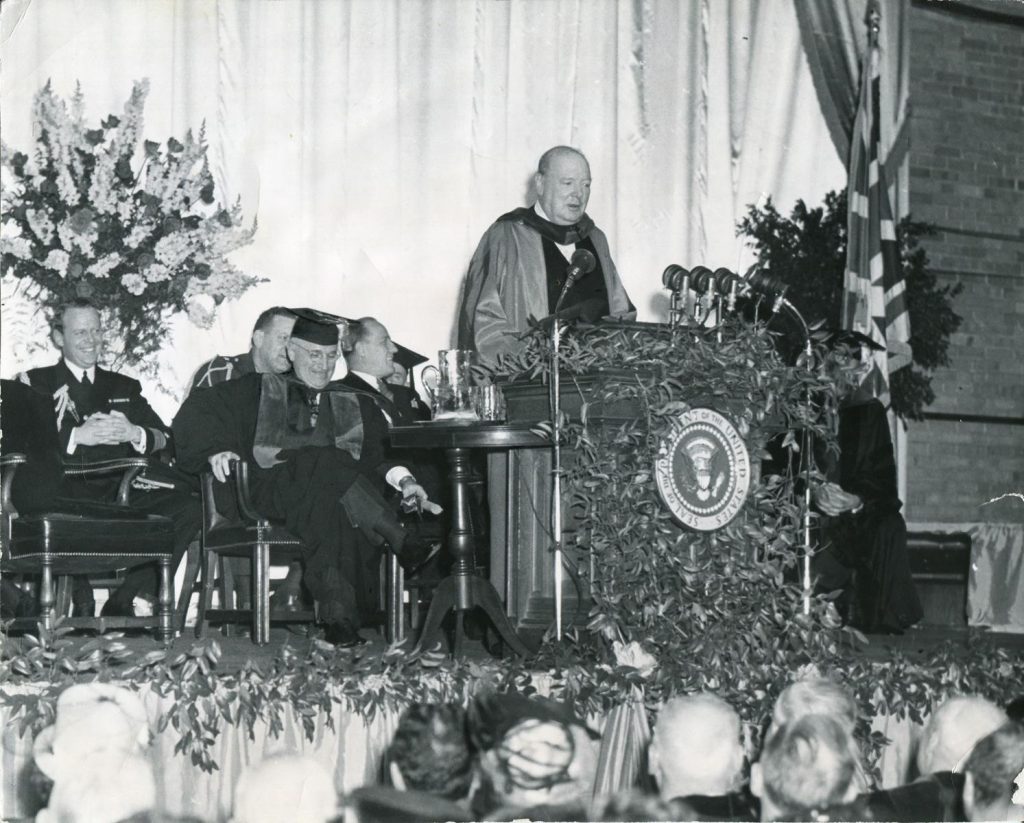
520, 497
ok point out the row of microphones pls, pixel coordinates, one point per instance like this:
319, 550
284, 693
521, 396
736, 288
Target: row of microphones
718, 289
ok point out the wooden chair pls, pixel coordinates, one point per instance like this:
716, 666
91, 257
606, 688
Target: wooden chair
85, 537
264, 543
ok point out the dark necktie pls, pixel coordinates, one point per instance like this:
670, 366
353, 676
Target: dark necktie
86, 382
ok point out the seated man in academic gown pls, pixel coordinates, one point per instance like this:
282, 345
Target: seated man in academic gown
315, 448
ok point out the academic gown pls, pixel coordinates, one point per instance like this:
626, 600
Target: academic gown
873, 542
304, 489
507, 284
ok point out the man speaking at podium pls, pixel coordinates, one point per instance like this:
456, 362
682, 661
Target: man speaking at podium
524, 259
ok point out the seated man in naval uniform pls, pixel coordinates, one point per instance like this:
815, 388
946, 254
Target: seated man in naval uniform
522, 261
318, 464
102, 415
266, 353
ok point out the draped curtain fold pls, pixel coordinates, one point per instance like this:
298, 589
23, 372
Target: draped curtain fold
375, 140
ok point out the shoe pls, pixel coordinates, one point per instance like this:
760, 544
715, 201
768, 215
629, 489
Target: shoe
415, 553
116, 607
343, 635
285, 602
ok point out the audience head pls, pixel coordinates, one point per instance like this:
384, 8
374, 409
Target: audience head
696, 747
562, 182
815, 695
953, 729
270, 335
287, 787
806, 767
368, 348
313, 350
531, 751
430, 751
77, 332
93, 720
994, 775
107, 788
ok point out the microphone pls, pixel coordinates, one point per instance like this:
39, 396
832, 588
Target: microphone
728, 283
582, 262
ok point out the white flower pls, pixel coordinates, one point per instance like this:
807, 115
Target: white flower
157, 273
103, 266
633, 654
17, 246
140, 231
41, 225
58, 260
172, 249
201, 310
133, 283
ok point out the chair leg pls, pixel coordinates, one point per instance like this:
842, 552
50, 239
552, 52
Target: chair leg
62, 606
393, 605
165, 633
209, 566
261, 594
188, 585
46, 595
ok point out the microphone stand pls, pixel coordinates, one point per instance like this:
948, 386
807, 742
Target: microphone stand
556, 457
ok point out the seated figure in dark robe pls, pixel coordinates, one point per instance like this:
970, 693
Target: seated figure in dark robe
316, 452
865, 535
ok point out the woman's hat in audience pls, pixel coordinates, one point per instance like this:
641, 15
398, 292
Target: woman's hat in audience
492, 714
92, 719
317, 327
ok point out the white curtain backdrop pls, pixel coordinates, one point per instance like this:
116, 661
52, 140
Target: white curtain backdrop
375, 140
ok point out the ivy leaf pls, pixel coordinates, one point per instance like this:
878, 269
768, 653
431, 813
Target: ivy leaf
112, 122
174, 146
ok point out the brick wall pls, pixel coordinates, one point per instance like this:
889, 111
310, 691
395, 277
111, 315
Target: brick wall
967, 176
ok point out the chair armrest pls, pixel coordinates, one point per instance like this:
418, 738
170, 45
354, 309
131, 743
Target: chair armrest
10, 463
240, 471
130, 466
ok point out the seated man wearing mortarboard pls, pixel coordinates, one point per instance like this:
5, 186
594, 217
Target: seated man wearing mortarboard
866, 535
318, 465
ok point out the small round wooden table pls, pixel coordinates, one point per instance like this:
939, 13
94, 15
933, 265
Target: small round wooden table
464, 589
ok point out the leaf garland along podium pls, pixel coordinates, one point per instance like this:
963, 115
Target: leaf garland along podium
627, 389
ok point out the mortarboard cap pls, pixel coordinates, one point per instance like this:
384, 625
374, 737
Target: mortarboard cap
847, 337
407, 358
317, 327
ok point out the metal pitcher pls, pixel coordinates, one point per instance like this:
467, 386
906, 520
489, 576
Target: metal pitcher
450, 385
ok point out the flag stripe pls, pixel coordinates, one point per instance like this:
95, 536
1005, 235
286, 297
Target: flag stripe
874, 297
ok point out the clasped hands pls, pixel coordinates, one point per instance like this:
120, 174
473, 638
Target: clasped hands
107, 429
833, 500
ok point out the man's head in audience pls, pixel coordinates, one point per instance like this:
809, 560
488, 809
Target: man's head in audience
270, 335
806, 767
952, 731
368, 348
994, 775
696, 747
430, 751
815, 695
287, 787
313, 351
77, 332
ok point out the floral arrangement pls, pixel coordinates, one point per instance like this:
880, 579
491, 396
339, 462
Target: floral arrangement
138, 232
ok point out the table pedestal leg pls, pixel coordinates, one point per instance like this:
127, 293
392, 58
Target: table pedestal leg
464, 589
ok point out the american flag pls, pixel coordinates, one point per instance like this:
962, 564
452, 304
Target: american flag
874, 296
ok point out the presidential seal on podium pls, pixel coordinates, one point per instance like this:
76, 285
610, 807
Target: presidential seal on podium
703, 470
